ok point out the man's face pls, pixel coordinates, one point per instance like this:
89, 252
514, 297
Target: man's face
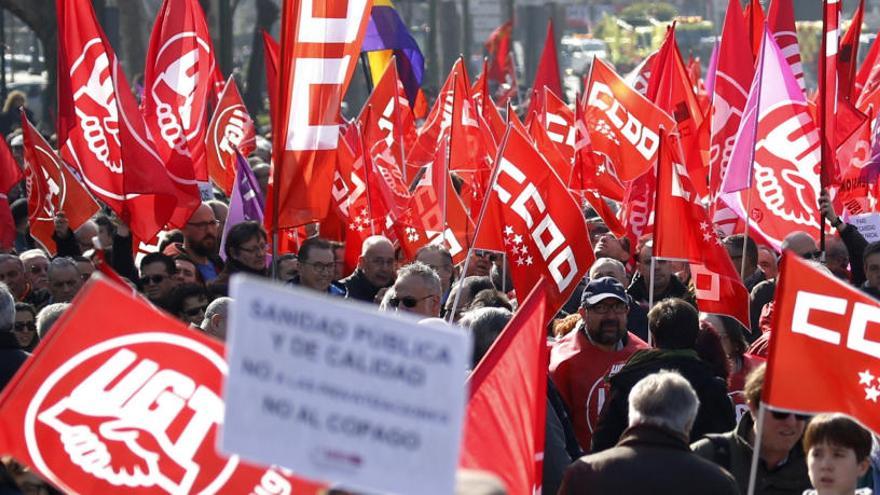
185, 272
872, 270
86, 269
156, 281
415, 296
317, 272
84, 236
767, 263
193, 309
605, 321
200, 232
12, 274
662, 269
780, 435
288, 269
378, 264
35, 271
805, 247
481, 263
440, 263
609, 246
64, 283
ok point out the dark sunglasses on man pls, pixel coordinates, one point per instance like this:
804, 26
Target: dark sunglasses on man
407, 301
152, 279
781, 416
195, 311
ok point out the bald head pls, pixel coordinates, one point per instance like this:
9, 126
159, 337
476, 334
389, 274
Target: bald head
609, 267
801, 243
377, 260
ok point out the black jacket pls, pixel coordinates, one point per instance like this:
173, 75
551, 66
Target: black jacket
11, 357
359, 288
716, 413
647, 460
638, 290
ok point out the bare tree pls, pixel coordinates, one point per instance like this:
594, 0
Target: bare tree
39, 15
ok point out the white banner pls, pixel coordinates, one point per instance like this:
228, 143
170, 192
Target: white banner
336, 391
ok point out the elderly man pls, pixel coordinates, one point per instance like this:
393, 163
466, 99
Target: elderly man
12, 274
599, 343
417, 290
652, 455
374, 272
200, 242
782, 466
157, 277
316, 267
11, 355
214, 323
674, 325
65, 279
440, 259
35, 264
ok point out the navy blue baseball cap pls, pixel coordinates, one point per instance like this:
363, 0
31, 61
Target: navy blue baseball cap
603, 288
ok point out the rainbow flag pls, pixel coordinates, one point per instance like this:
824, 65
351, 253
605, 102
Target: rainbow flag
388, 36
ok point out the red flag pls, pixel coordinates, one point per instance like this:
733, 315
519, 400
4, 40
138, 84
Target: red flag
855, 190
558, 120
639, 77
506, 437
10, 175
528, 215
592, 171
547, 73
271, 51
319, 46
827, 104
498, 48
671, 90
177, 84
439, 118
849, 54
781, 23
101, 131
867, 66
682, 230
52, 188
132, 405
732, 80
623, 124
824, 337
486, 107
231, 129
754, 15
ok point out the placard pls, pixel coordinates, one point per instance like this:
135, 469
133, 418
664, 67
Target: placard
868, 225
336, 391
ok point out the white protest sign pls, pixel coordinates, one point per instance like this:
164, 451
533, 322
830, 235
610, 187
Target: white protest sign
868, 225
337, 391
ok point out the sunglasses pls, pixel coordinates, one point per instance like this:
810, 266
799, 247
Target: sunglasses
784, 415
486, 254
195, 311
813, 255
153, 279
407, 301
22, 326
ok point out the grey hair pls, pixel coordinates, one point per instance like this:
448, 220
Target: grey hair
4, 257
374, 240
422, 271
61, 263
47, 317
385, 304
485, 325
608, 261
7, 308
219, 306
664, 399
32, 253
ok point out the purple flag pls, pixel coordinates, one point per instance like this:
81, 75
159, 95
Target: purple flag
773, 85
246, 202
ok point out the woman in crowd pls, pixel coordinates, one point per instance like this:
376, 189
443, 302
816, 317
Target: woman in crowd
25, 327
245, 253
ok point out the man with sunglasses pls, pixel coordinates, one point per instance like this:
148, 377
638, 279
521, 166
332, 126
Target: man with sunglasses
189, 302
600, 342
782, 466
417, 290
157, 277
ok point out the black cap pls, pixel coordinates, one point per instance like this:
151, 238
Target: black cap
603, 288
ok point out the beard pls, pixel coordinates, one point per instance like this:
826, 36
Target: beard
607, 333
205, 247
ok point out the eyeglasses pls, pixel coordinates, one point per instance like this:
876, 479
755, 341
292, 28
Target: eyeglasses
259, 248
486, 254
321, 267
784, 415
381, 261
195, 311
619, 308
408, 301
24, 326
203, 225
153, 279
813, 255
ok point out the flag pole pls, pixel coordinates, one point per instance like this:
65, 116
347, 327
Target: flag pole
823, 117
756, 451
467, 259
365, 65
651, 294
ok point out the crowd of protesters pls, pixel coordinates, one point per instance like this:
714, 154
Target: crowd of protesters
646, 394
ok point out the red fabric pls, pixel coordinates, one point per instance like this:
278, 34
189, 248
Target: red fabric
306, 121
732, 82
145, 354
671, 90
529, 216
486, 107
52, 188
179, 70
612, 110
780, 20
682, 230
547, 73
827, 101
504, 422
754, 15
498, 49
823, 354
593, 172
848, 55
578, 369
468, 150
271, 50
867, 66
10, 175
437, 121
736, 383
855, 192
559, 122
106, 138
7, 224
230, 128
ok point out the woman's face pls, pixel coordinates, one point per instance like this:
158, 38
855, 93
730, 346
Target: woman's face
252, 253
25, 329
